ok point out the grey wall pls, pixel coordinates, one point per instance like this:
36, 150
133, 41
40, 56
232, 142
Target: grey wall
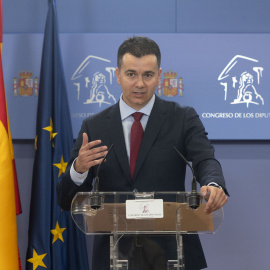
243, 239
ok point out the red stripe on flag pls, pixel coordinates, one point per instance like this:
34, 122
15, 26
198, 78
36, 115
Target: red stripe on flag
3, 108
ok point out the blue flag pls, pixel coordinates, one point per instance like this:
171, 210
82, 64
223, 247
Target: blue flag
55, 243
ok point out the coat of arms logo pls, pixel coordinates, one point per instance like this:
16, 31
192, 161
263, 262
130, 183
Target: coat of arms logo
26, 85
170, 85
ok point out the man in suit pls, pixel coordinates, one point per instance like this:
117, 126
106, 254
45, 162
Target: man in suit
158, 166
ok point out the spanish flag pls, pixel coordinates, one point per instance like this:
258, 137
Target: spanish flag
8, 182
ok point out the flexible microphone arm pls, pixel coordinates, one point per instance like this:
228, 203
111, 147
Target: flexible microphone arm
96, 198
96, 179
194, 199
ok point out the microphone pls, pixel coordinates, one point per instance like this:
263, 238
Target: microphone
96, 198
194, 199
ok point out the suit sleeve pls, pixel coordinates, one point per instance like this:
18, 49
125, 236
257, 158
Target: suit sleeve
200, 151
66, 188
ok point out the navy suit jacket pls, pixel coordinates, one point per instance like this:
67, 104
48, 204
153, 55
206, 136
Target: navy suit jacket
158, 167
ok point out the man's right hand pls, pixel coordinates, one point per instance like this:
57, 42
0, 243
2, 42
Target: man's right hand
89, 155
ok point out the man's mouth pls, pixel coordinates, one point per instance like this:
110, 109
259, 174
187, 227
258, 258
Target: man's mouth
138, 93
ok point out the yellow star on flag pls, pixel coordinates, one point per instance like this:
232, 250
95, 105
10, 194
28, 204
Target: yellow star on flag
37, 260
50, 129
57, 232
61, 166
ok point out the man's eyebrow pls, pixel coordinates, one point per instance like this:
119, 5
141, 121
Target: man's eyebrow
130, 70
149, 72
145, 72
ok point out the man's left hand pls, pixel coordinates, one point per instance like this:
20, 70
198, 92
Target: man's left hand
216, 198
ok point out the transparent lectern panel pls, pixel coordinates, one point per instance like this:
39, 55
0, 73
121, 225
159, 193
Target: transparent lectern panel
141, 213
135, 252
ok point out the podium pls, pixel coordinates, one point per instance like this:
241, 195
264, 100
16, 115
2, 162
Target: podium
140, 224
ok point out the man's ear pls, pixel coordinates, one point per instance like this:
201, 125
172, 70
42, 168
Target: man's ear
118, 75
159, 74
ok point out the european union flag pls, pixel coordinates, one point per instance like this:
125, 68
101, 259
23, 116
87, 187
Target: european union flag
55, 242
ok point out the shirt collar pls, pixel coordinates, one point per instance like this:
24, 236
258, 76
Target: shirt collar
126, 110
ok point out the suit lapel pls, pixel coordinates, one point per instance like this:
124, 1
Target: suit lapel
154, 124
115, 131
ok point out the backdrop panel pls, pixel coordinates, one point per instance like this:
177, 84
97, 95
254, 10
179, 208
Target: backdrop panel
225, 77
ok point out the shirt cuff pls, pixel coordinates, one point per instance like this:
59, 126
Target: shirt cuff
215, 185
77, 178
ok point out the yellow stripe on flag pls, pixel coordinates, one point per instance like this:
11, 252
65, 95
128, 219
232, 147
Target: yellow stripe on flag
8, 225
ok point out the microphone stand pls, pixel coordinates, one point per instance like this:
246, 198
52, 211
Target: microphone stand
195, 198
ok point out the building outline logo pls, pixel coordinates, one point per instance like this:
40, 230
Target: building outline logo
246, 84
97, 84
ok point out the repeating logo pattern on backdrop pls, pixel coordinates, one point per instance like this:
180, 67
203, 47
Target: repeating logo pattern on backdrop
222, 87
94, 82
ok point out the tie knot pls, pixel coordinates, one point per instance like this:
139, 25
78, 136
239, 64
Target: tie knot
137, 116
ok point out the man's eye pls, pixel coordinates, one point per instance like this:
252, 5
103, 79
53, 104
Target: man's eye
130, 74
148, 75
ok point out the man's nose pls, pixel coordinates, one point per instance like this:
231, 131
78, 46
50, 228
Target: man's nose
140, 82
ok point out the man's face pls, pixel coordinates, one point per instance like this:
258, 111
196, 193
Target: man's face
138, 78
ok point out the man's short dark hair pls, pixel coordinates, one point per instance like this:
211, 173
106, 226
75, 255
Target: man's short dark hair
138, 46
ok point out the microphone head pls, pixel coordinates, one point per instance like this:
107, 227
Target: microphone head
95, 201
194, 200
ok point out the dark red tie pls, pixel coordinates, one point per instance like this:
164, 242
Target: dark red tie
136, 135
